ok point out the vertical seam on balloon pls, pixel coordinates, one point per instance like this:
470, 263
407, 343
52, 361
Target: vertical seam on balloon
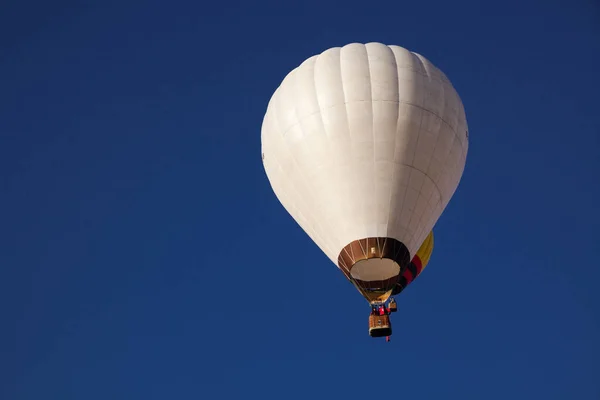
373, 178
422, 107
419, 230
326, 223
342, 264
328, 139
323, 221
292, 86
423, 110
349, 255
394, 166
403, 204
341, 73
362, 249
443, 111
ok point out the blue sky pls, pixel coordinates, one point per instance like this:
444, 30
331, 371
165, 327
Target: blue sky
132, 192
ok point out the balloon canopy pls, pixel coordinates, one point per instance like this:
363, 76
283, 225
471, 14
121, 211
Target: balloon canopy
364, 146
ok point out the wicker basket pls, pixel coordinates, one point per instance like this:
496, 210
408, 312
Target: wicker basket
380, 325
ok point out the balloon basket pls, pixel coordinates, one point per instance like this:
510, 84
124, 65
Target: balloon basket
380, 325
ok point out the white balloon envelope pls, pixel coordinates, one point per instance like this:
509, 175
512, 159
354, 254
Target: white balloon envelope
364, 146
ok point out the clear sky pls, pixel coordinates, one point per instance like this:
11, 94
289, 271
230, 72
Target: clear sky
144, 255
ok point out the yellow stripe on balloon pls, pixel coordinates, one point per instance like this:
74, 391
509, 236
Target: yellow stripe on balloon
424, 252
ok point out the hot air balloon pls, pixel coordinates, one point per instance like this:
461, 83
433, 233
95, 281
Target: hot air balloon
364, 146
